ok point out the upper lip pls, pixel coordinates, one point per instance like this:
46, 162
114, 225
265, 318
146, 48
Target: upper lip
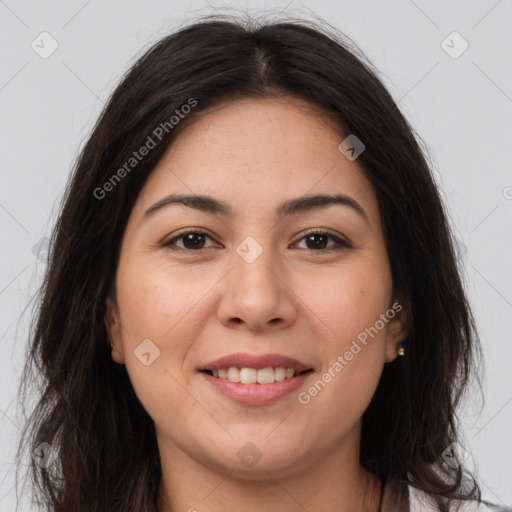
241, 360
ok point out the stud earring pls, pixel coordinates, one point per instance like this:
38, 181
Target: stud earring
401, 350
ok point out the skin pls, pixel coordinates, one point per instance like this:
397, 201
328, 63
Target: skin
294, 299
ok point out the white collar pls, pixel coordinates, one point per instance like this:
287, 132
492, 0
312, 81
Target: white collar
421, 502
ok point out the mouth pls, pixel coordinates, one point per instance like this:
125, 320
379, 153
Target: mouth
262, 376
251, 393
256, 379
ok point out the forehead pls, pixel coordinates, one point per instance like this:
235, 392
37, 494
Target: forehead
286, 129
257, 153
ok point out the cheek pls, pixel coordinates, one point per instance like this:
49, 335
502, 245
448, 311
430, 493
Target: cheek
350, 302
164, 304
350, 299
157, 299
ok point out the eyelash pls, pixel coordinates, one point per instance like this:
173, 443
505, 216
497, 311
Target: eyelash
341, 244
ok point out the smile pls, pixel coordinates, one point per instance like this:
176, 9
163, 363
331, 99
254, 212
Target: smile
267, 375
254, 393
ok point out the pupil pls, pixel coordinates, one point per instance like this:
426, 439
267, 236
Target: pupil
192, 237
316, 244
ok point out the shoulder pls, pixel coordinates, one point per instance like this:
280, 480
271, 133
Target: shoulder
421, 502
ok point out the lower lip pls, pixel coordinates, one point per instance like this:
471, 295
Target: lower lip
256, 394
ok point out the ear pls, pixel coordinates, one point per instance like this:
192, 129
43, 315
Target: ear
397, 329
114, 330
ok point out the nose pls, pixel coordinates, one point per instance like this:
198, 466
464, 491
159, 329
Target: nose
257, 296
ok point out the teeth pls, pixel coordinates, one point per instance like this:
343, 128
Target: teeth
248, 375
266, 375
280, 373
233, 374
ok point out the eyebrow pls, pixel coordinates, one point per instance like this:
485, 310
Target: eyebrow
295, 206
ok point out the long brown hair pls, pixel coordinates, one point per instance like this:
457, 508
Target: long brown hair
103, 440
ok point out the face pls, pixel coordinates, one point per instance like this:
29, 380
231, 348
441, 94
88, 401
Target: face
197, 282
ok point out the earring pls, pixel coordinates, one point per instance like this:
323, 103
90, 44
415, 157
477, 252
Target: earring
401, 350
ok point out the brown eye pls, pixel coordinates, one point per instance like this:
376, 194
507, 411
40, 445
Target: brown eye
191, 240
317, 241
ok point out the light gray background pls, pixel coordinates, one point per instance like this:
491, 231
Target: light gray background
461, 107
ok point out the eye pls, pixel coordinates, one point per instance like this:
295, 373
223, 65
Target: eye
317, 240
194, 240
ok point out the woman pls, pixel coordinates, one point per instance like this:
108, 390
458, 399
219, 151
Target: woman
252, 300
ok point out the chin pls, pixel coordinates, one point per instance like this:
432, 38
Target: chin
259, 459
